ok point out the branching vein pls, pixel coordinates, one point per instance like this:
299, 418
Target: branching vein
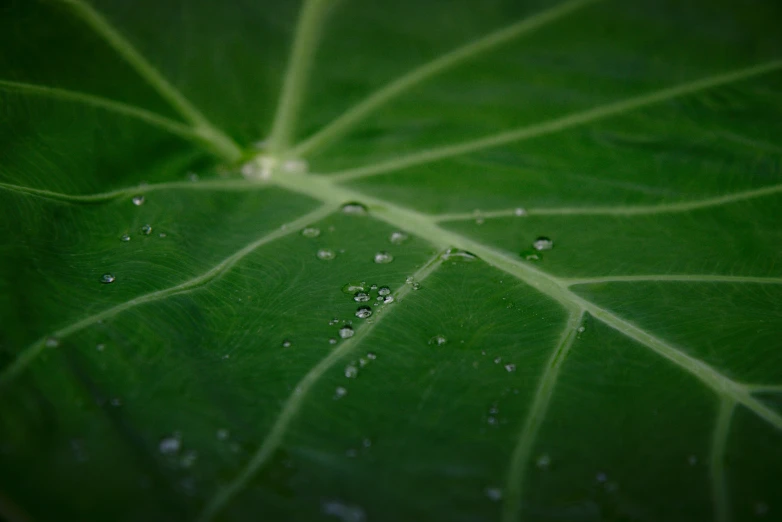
374, 101
29, 354
557, 124
634, 210
682, 278
293, 404
537, 413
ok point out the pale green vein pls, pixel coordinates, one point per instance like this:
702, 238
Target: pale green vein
132, 111
635, 210
668, 278
765, 388
29, 354
423, 226
228, 185
521, 454
350, 118
302, 53
294, 402
557, 124
719, 482
124, 48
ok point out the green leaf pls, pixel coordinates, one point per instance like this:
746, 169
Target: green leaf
573, 204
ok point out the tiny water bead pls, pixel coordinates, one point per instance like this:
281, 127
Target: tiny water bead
543, 462
192, 176
125, 238
410, 280
510, 368
52, 342
170, 445
286, 343
138, 200
438, 340
340, 392
354, 208
326, 254
542, 243
519, 212
388, 299
363, 312
371, 356
346, 332
146, 229
351, 372
361, 297
310, 232
458, 254
223, 434
397, 237
352, 288
383, 257
383, 291
107, 279
332, 340
494, 494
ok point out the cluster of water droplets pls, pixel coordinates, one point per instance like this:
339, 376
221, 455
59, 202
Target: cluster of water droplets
540, 245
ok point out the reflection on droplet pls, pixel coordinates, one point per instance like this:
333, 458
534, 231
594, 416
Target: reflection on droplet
438, 340
286, 343
383, 291
458, 254
361, 297
333, 321
169, 445
412, 282
398, 238
353, 208
388, 299
346, 332
138, 200
510, 368
340, 392
497, 360
543, 461
543, 243
146, 229
363, 312
107, 278
383, 258
371, 356
494, 494
351, 372
326, 254
310, 232
124, 238
581, 329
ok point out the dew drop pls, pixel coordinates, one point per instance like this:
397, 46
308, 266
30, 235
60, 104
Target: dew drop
286, 343
223, 434
333, 321
146, 229
397, 237
519, 212
458, 254
601, 477
438, 340
497, 360
352, 288
52, 342
371, 356
479, 219
543, 461
125, 238
138, 200
354, 208
326, 254
310, 232
192, 176
169, 445
107, 278
542, 243
100, 347
412, 282
162, 234
494, 494
366, 443
344, 512
692, 460
188, 459
581, 329
340, 392
346, 332
363, 312
383, 291
388, 299
383, 257
361, 297
332, 340
351, 372
510, 368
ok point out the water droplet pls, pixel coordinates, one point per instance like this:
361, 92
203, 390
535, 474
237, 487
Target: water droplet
295, 166
146, 229
383, 258
371, 356
223, 434
479, 220
457, 254
761, 509
581, 329
310, 232
332, 340
352, 288
601, 477
52, 342
412, 282
543, 461
345, 512
286, 343
162, 234
100, 347
692, 460
326, 254
494, 494
519, 212
116, 402
363, 312
543, 243
497, 360
355, 209
169, 445
333, 321
383, 291
192, 176
366, 443
510, 368
361, 297
398, 238
138, 200
124, 238
390, 298
530, 255
346, 332
259, 168
439, 340
340, 392
351, 372
107, 278
188, 459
